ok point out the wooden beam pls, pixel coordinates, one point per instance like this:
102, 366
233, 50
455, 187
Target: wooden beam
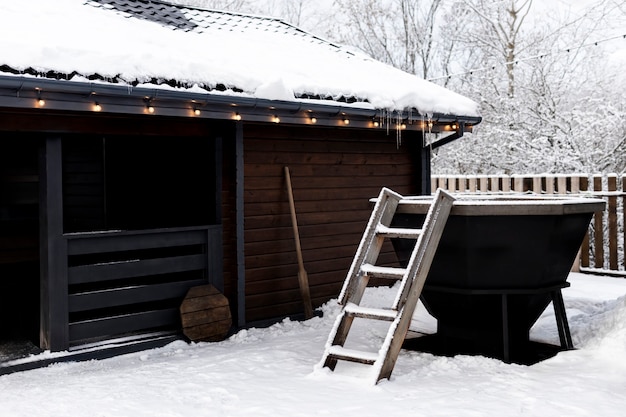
54, 332
239, 209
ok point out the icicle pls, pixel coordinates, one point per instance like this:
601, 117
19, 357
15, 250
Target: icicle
430, 132
423, 131
388, 121
398, 130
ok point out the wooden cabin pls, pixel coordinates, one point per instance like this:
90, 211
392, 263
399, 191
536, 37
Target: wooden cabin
119, 191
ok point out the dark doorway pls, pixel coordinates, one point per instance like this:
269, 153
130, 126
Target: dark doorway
19, 243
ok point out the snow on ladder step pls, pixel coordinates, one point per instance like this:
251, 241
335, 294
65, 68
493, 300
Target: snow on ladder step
383, 271
385, 314
397, 232
352, 355
411, 278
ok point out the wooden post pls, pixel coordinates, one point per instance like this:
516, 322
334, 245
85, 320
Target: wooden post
623, 213
494, 183
54, 316
462, 184
561, 184
506, 183
583, 184
472, 183
484, 183
612, 219
303, 278
549, 184
575, 189
598, 233
537, 185
518, 184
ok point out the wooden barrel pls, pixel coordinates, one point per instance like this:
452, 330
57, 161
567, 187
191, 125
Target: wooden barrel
205, 314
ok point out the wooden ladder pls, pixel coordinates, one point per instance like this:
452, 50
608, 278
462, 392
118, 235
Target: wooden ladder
411, 279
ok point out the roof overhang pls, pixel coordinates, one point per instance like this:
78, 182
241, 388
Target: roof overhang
61, 95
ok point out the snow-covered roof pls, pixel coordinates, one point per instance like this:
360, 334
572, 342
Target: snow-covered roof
152, 43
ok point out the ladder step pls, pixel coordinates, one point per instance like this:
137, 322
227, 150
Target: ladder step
397, 232
352, 355
354, 310
387, 272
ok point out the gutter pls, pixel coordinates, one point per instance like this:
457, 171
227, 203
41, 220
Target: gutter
23, 92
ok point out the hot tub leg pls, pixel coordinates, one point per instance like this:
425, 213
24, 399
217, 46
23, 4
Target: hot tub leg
561, 320
505, 329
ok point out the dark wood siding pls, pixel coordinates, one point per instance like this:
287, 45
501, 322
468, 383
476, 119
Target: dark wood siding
123, 190
229, 225
334, 173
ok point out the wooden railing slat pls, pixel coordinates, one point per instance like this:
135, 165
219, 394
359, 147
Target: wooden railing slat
109, 326
116, 297
117, 270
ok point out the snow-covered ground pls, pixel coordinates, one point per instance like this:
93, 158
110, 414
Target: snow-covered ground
274, 372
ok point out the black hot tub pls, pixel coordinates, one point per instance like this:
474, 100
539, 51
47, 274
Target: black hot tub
500, 261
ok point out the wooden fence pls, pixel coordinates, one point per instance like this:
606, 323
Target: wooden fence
603, 248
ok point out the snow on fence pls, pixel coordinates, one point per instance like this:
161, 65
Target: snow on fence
603, 248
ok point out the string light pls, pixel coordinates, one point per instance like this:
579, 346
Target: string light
517, 61
346, 121
276, 119
40, 101
313, 119
97, 107
196, 111
237, 117
149, 106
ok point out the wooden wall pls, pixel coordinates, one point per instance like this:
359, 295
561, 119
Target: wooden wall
334, 173
130, 173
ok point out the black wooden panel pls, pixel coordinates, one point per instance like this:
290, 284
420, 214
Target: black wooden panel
130, 295
110, 326
53, 250
82, 244
118, 270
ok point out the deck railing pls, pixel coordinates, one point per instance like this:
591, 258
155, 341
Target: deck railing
120, 282
603, 248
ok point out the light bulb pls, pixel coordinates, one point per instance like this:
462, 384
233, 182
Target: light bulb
237, 117
97, 107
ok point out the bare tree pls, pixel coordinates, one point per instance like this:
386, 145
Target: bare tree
500, 23
229, 5
402, 33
